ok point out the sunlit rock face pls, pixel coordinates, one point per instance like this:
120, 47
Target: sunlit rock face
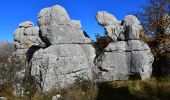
26, 41
25, 37
69, 54
127, 56
57, 28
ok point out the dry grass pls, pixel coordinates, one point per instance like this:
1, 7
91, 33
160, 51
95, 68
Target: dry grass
7, 91
152, 89
81, 91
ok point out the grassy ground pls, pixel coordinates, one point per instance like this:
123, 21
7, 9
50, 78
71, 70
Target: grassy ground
152, 89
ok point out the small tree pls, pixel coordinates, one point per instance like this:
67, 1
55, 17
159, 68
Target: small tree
154, 16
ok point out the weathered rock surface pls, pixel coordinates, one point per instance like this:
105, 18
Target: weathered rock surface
59, 53
127, 29
26, 41
25, 37
110, 24
127, 55
57, 30
69, 54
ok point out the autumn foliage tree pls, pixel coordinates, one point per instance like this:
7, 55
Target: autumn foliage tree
100, 43
154, 16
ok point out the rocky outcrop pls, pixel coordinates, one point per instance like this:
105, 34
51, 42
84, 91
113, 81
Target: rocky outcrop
25, 37
57, 28
26, 41
59, 52
69, 55
127, 56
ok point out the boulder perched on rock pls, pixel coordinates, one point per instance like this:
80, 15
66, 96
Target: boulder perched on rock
111, 25
26, 41
69, 55
127, 56
25, 37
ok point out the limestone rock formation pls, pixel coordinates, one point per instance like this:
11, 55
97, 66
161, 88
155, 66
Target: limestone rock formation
26, 41
59, 52
68, 56
127, 55
57, 28
25, 37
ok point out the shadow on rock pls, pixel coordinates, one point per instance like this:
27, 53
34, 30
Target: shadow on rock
31, 51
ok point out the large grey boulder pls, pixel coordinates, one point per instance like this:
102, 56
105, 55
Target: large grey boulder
56, 27
69, 56
128, 29
127, 55
132, 27
58, 52
111, 25
60, 65
104, 18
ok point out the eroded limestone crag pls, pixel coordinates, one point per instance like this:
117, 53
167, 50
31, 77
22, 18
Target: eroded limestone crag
126, 55
65, 54
27, 41
69, 54
25, 37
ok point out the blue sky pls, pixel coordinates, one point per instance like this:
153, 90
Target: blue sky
13, 12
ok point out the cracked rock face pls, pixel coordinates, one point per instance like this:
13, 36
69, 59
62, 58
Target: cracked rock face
56, 27
59, 53
69, 55
128, 29
127, 56
25, 37
27, 41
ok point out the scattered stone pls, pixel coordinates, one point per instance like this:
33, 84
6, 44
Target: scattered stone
3, 98
58, 96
